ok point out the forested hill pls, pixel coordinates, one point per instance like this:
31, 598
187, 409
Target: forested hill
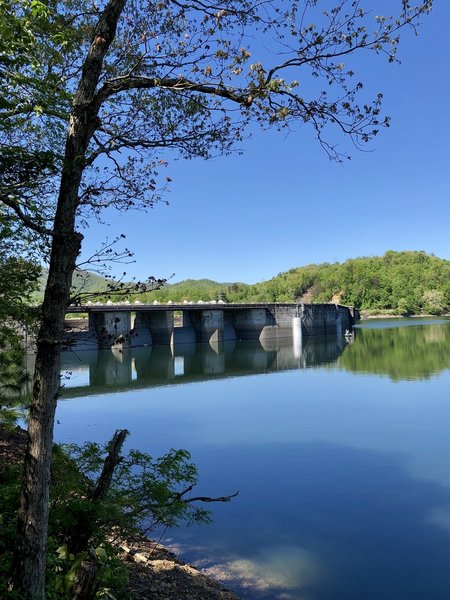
82, 282
398, 283
401, 282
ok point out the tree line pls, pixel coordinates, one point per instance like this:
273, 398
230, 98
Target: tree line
401, 283
407, 282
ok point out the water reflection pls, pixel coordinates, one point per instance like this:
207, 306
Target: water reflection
93, 372
341, 523
344, 480
283, 569
414, 350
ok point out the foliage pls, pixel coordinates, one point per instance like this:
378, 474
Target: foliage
399, 282
189, 290
28, 159
18, 281
83, 282
402, 283
434, 302
23, 218
179, 76
12, 376
145, 492
88, 285
9, 498
62, 566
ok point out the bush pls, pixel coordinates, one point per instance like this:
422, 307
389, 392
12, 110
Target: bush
98, 494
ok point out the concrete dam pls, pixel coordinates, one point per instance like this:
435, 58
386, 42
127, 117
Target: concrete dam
127, 326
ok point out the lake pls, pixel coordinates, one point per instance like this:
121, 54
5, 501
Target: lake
340, 450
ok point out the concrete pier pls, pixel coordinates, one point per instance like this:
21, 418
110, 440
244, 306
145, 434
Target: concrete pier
208, 325
111, 328
152, 328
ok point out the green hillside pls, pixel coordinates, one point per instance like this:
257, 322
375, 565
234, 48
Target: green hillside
192, 290
87, 283
407, 282
82, 282
398, 283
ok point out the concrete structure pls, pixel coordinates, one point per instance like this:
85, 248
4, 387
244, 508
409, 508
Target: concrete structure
124, 325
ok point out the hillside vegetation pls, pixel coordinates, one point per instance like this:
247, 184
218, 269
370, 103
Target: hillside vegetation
84, 282
399, 283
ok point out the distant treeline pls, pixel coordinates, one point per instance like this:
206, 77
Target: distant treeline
399, 283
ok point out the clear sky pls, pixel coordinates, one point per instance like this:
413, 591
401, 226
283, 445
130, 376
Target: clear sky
283, 204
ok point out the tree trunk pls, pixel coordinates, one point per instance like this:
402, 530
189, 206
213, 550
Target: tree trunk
80, 540
85, 582
111, 461
29, 555
28, 568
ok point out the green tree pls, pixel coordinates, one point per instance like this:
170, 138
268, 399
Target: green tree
106, 88
434, 302
398, 282
98, 491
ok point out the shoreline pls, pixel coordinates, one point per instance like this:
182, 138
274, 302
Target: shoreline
156, 573
369, 316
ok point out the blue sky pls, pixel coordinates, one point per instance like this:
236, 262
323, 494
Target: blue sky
283, 204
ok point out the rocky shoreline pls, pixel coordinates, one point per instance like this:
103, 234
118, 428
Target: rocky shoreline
156, 573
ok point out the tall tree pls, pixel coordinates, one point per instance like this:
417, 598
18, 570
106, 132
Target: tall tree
105, 87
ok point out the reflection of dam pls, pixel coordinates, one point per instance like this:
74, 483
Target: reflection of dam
95, 371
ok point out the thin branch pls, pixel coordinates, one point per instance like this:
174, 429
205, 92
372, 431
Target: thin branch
208, 499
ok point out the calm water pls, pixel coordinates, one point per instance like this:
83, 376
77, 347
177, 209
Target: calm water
340, 452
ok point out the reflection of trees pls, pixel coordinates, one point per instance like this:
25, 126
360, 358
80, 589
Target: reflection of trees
401, 353
342, 498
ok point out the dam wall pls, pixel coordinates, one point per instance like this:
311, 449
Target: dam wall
113, 326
